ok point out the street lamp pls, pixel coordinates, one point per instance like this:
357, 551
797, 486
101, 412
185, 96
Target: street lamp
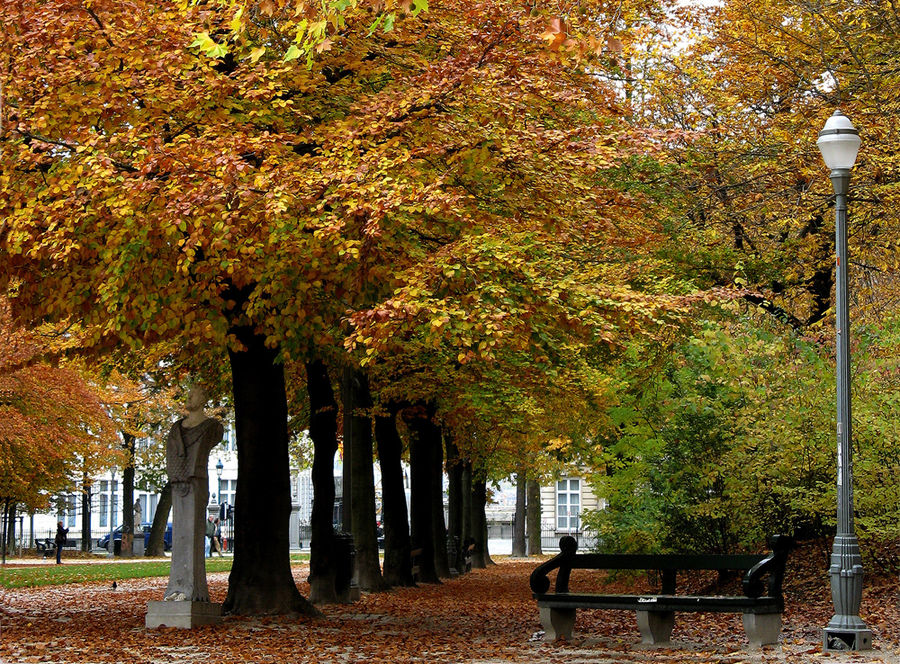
219, 468
839, 143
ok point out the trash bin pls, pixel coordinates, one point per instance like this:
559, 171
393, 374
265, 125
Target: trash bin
344, 564
453, 555
117, 547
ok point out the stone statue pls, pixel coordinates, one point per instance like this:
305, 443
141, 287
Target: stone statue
187, 455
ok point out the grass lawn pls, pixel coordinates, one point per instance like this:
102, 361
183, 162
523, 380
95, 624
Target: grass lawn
74, 572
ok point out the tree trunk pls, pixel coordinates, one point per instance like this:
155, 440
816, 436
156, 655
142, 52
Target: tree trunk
454, 502
156, 546
518, 542
86, 543
11, 509
421, 471
438, 529
4, 521
466, 503
261, 582
347, 460
533, 517
323, 432
127, 550
479, 524
362, 480
397, 565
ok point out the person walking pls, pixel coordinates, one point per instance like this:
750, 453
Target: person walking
62, 535
217, 538
210, 535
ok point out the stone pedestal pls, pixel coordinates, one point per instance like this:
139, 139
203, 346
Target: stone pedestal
182, 614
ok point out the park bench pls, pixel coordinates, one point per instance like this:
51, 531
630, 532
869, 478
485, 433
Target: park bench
47, 546
467, 557
761, 604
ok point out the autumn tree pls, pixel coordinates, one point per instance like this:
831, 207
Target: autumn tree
54, 426
166, 180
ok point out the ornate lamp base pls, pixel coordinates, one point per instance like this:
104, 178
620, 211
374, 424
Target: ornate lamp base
835, 639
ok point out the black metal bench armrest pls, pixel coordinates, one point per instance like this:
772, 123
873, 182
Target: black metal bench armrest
773, 565
540, 582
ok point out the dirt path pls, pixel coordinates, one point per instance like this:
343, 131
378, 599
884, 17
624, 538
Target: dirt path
486, 617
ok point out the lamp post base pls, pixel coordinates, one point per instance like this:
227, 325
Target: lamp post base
835, 639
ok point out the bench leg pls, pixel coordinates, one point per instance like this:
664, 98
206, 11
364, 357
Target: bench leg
557, 623
655, 626
762, 628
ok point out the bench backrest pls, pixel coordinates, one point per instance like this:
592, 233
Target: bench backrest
755, 566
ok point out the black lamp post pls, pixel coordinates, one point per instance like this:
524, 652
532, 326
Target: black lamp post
839, 143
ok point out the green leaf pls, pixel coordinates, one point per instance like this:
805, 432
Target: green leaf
419, 6
389, 21
292, 53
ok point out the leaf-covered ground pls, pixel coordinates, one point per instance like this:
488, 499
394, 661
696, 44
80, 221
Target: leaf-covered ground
485, 617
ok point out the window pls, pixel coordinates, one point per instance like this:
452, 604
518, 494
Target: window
104, 509
72, 502
568, 505
227, 489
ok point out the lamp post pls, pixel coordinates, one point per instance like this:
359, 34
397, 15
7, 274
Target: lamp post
219, 468
839, 143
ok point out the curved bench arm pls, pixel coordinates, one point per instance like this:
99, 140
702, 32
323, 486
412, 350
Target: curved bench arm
540, 582
773, 565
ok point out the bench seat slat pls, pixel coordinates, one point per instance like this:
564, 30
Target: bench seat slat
665, 561
696, 603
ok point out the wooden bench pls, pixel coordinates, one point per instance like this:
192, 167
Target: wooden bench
761, 604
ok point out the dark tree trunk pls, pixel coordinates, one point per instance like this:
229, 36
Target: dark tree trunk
397, 565
438, 527
421, 463
533, 517
323, 432
518, 542
479, 524
86, 543
5, 521
362, 481
454, 501
156, 546
261, 581
347, 461
128, 498
11, 509
466, 503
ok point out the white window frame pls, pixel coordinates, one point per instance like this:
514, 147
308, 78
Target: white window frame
568, 505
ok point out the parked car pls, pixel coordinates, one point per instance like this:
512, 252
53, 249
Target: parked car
103, 542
